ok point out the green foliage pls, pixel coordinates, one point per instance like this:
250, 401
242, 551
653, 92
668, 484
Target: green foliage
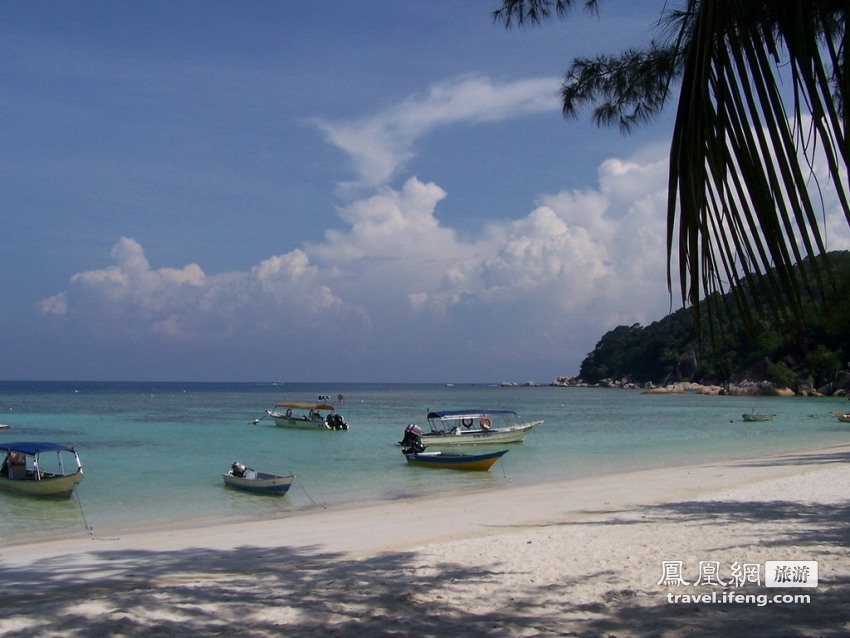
651, 353
782, 375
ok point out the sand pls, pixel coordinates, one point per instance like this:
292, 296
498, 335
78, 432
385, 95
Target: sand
580, 557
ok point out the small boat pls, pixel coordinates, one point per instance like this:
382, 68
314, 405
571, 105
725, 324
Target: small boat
307, 416
757, 416
844, 417
471, 427
454, 461
26, 471
245, 478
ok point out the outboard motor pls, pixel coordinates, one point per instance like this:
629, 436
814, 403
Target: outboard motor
337, 422
237, 469
411, 433
416, 447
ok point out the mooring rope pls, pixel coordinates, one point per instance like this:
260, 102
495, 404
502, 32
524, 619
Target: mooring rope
502, 463
83, 514
301, 485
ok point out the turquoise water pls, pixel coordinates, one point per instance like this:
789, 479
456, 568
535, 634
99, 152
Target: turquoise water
153, 453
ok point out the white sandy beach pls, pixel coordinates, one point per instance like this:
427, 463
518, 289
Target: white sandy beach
571, 558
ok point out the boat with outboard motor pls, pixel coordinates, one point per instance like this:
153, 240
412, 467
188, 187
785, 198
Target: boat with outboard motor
246, 478
453, 460
307, 416
471, 427
26, 471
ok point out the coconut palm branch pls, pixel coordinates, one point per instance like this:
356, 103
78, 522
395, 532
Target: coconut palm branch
762, 86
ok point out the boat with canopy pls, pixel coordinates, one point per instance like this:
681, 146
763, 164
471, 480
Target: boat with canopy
30, 468
471, 427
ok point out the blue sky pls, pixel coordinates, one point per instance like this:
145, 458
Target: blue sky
316, 191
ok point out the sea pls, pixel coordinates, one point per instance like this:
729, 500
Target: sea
153, 454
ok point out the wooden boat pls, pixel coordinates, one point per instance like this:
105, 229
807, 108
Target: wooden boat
307, 416
245, 478
757, 416
26, 471
472, 427
454, 461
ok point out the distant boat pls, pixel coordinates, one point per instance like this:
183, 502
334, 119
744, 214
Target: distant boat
844, 417
25, 471
757, 416
454, 461
307, 416
244, 478
471, 427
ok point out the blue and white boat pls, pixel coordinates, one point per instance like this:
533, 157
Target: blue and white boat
245, 478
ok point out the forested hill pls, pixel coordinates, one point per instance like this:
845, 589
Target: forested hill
668, 350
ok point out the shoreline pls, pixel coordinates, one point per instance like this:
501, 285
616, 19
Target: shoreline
580, 555
608, 482
617, 486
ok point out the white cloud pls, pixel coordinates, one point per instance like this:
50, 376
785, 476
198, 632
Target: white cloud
381, 144
398, 281
397, 289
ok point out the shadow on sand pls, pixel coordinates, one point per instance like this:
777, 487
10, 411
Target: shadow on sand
279, 591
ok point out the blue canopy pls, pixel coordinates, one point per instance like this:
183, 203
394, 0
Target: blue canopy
34, 447
468, 414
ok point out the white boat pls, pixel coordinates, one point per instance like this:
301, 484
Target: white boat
757, 416
470, 427
307, 416
245, 478
28, 470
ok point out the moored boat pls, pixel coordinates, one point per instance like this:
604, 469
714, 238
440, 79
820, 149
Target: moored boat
26, 471
472, 427
454, 461
307, 416
757, 416
245, 478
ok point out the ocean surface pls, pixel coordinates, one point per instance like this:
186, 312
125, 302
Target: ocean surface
153, 453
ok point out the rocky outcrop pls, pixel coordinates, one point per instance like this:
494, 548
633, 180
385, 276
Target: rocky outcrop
744, 388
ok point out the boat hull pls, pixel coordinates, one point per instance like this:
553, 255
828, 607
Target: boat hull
62, 486
753, 418
494, 436
449, 461
297, 423
260, 482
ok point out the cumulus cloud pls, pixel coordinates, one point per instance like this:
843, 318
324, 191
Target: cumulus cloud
395, 286
398, 280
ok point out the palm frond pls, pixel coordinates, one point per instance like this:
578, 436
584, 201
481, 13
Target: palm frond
742, 192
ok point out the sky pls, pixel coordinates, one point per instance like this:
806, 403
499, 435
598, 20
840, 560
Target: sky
323, 190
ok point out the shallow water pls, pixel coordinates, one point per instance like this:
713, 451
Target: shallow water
153, 453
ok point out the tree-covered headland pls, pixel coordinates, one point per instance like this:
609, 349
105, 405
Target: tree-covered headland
812, 359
